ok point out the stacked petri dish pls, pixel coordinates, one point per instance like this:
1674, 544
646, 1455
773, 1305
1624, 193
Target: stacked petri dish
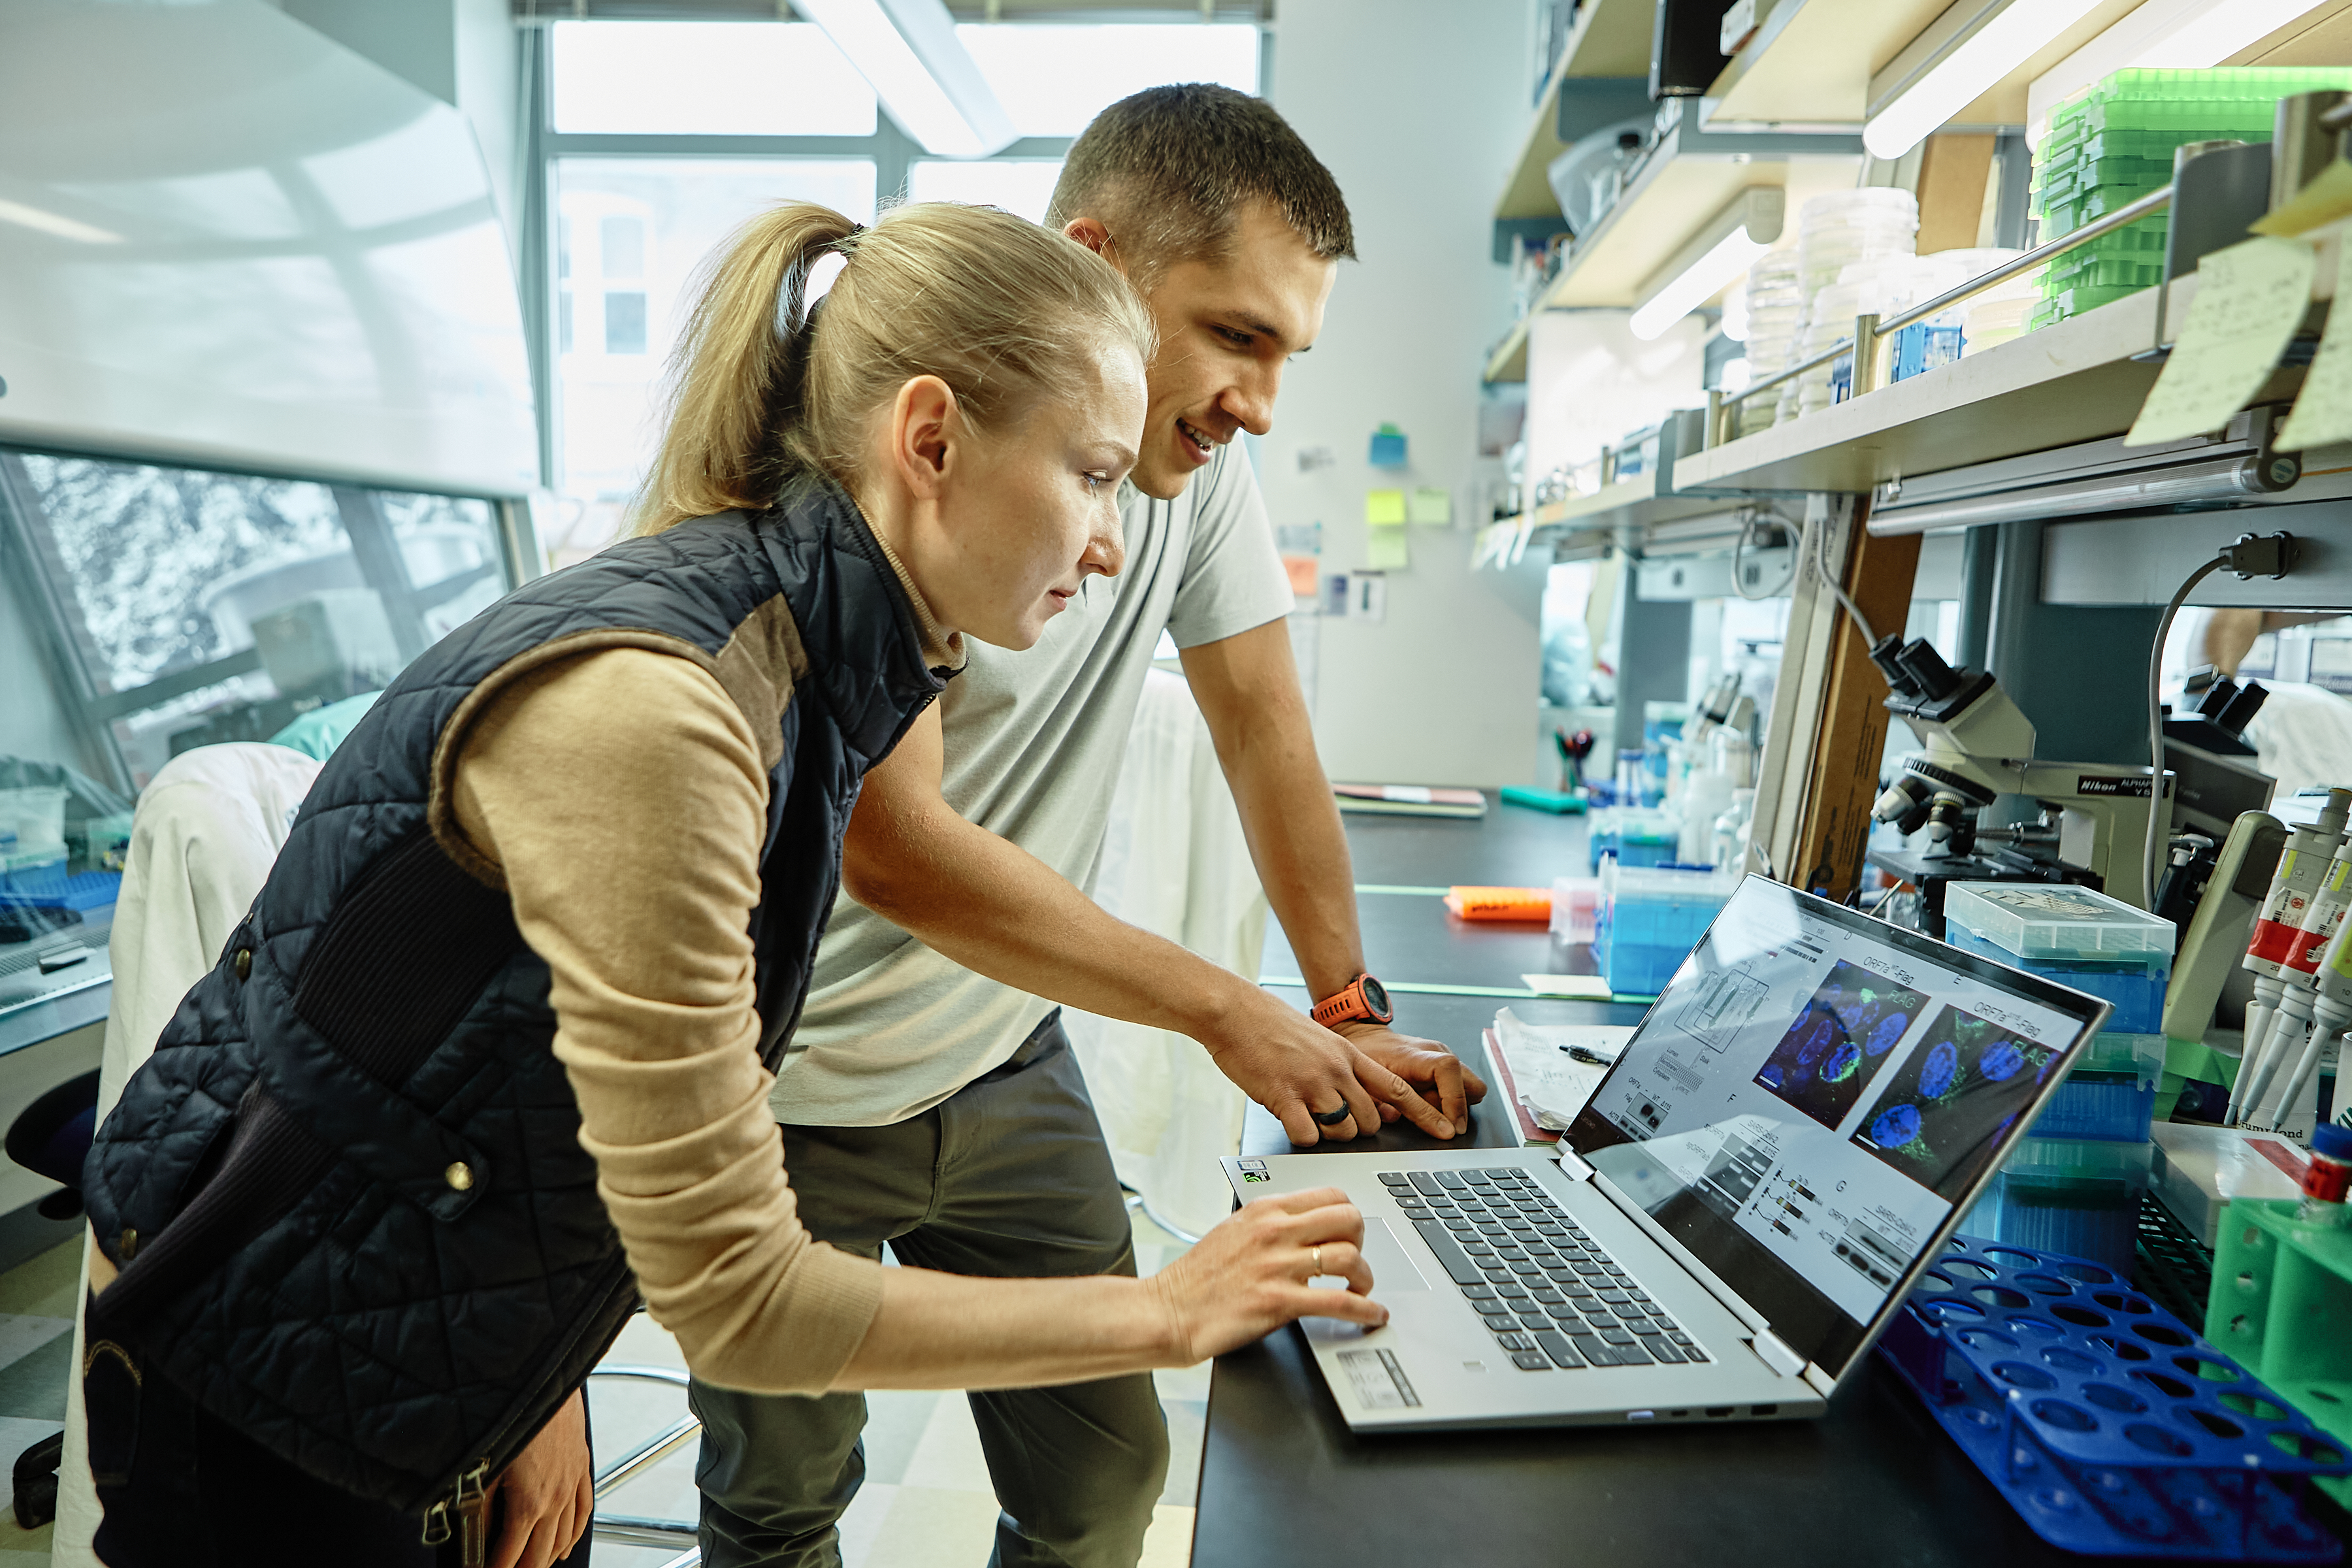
1845, 237
1776, 311
1882, 287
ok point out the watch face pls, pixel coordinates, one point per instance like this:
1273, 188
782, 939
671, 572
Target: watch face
1376, 997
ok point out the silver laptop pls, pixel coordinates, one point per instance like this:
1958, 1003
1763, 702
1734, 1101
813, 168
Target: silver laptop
1801, 1120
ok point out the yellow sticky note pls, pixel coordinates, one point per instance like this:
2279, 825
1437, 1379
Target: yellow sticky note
2323, 411
2249, 299
2325, 199
1433, 506
1387, 551
1383, 508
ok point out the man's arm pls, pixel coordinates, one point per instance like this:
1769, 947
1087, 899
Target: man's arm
994, 907
1247, 687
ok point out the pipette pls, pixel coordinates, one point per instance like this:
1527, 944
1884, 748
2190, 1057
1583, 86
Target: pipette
2301, 869
2299, 985
2331, 1008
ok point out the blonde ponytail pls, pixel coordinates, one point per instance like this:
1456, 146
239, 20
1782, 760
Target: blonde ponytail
1000, 310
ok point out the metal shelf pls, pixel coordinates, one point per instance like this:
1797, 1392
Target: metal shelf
1687, 179
1611, 38
1811, 64
2078, 381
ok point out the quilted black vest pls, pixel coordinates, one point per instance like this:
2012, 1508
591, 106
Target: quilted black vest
347, 1193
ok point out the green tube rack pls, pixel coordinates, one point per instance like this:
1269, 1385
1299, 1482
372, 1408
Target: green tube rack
2282, 1308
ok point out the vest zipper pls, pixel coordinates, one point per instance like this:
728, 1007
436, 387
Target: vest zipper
470, 1499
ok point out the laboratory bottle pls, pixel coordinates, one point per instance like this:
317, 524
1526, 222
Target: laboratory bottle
2326, 1178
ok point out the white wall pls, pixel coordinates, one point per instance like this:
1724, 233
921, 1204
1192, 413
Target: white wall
1417, 109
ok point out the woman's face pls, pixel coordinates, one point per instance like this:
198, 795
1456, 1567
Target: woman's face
1023, 515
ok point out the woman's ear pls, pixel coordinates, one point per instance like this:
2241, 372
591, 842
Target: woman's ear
924, 434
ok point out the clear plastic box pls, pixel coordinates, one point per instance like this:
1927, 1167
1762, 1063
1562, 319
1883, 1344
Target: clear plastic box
2110, 1093
1635, 835
1650, 919
2073, 936
2066, 1194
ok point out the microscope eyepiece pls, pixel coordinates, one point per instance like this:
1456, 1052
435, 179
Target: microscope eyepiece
1935, 678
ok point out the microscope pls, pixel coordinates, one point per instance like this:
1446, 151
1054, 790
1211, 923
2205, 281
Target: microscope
1976, 747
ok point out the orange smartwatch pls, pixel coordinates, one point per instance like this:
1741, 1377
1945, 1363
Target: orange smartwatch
1362, 997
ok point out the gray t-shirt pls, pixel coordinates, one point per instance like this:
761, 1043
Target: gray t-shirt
1034, 742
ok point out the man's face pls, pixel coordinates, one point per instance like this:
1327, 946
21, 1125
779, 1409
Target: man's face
1227, 326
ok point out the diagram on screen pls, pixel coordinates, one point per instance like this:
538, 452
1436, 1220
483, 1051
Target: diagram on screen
1838, 1043
1723, 1002
1953, 1102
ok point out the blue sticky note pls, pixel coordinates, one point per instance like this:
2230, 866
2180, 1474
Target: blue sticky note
1387, 448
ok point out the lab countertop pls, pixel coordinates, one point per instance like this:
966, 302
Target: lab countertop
1284, 1481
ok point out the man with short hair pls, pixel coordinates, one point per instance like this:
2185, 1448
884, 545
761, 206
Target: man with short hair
933, 1103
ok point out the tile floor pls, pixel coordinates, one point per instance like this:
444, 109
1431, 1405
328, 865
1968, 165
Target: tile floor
926, 1503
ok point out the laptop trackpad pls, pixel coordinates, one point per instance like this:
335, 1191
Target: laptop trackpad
1392, 1274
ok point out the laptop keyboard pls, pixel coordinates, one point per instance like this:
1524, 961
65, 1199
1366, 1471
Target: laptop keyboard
1551, 1295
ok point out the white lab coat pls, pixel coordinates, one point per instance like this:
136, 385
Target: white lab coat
206, 831
1174, 862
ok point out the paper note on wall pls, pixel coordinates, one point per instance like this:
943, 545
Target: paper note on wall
1432, 507
1384, 509
1387, 549
2323, 412
2249, 300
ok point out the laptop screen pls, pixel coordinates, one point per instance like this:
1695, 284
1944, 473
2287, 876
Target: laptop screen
1818, 1097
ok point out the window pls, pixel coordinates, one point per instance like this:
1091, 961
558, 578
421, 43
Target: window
636, 206
201, 607
632, 234
1054, 79
1021, 186
705, 78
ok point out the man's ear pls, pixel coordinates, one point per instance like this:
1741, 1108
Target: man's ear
924, 432
1090, 232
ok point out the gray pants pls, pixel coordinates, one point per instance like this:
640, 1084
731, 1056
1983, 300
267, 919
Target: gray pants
1008, 1178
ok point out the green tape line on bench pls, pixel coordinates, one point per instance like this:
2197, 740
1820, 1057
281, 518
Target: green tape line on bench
1402, 891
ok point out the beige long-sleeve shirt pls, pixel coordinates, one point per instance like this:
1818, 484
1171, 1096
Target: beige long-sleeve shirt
621, 794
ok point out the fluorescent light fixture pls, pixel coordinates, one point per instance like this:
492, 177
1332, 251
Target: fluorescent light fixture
47, 222
2000, 38
909, 51
2161, 35
1725, 248
2224, 27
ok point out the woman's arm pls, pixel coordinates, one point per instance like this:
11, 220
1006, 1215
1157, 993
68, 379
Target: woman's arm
1243, 1279
622, 796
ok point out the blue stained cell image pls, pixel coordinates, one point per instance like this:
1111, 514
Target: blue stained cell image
1894, 1126
1949, 1105
1842, 1062
2002, 1062
1885, 1032
1939, 1074
1841, 1038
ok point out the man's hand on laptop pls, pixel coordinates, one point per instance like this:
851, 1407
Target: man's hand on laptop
1306, 1075
1426, 1064
1254, 1273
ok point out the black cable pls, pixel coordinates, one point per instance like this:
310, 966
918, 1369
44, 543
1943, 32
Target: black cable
2156, 813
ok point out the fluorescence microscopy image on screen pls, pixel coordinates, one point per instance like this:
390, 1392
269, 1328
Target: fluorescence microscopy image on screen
1953, 1103
1839, 1042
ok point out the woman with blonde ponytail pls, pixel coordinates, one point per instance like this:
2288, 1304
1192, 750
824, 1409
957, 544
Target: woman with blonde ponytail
488, 1061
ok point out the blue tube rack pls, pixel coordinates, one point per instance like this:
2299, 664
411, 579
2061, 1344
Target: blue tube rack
2110, 1426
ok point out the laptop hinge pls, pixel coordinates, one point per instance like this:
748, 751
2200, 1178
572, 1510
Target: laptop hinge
1823, 1383
1571, 1163
1775, 1353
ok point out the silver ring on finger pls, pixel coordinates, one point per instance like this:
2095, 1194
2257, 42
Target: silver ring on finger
1331, 1118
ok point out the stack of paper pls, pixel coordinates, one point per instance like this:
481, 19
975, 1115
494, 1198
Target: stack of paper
1547, 1083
